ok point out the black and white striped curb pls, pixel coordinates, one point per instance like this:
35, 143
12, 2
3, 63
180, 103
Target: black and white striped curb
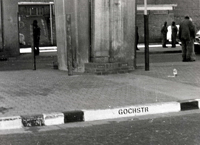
16, 122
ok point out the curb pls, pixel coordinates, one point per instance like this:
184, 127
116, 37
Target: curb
161, 52
58, 118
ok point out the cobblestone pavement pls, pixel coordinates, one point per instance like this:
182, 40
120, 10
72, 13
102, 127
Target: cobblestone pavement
25, 92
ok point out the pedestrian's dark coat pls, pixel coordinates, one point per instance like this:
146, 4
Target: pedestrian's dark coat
164, 30
36, 36
36, 33
186, 30
174, 34
187, 36
164, 34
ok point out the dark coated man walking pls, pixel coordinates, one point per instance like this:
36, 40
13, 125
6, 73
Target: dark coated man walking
36, 37
164, 35
187, 36
174, 34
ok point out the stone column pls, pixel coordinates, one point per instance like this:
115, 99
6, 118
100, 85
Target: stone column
79, 11
100, 30
129, 31
10, 27
113, 43
113, 30
1, 28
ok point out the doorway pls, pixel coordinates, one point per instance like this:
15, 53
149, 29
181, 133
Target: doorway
44, 14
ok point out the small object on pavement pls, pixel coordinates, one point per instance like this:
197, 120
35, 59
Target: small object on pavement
175, 72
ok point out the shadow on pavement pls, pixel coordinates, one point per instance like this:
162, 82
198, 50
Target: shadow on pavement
26, 62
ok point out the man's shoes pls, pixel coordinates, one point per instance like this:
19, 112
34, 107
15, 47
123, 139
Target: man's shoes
191, 60
188, 60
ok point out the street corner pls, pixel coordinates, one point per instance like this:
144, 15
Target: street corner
59, 118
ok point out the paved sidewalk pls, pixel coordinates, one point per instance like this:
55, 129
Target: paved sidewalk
46, 90
157, 48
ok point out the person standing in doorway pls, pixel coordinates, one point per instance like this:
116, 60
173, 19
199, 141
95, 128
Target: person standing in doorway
187, 36
174, 34
164, 35
36, 36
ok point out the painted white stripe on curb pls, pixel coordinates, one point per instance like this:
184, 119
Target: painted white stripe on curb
53, 119
131, 111
14, 122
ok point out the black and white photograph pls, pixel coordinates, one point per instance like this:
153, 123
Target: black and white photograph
99, 72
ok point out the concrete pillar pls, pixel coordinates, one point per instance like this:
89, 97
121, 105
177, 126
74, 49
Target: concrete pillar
129, 31
61, 33
114, 30
10, 27
100, 30
79, 11
1, 27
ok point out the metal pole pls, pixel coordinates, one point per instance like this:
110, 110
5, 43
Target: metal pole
146, 36
33, 47
2, 27
51, 22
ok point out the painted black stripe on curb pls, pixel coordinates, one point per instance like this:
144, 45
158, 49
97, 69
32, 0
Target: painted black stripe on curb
73, 116
189, 105
33, 120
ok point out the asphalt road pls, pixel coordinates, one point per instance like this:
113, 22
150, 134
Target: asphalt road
168, 129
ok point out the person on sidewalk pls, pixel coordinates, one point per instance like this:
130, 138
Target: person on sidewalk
174, 34
36, 35
137, 38
187, 36
164, 35
191, 50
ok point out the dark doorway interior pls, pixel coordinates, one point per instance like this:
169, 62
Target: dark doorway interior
45, 15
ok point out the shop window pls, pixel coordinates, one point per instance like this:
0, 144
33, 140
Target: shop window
36, 11
31, 11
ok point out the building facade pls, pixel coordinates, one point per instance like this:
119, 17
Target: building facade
100, 31
44, 13
157, 18
11, 25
